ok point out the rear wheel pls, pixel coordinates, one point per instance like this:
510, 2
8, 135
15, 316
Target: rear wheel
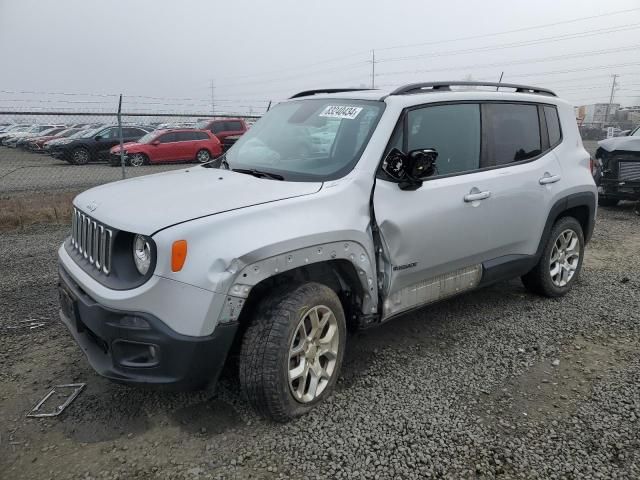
560, 262
203, 156
138, 160
80, 156
607, 201
292, 352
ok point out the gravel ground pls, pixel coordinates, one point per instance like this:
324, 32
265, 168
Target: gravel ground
496, 383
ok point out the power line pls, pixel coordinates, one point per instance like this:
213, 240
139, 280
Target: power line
438, 42
517, 62
524, 43
517, 30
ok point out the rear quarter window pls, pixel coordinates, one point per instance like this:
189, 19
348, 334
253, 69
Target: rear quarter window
553, 125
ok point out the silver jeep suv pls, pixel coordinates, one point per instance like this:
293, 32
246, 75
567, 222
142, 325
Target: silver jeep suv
338, 210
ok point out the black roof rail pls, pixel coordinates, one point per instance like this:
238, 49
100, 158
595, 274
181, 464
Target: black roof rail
446, 86
308, 93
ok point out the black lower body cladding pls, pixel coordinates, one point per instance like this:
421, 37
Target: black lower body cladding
137, 348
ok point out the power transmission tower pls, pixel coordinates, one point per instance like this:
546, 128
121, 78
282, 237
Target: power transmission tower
213, 98
613, 91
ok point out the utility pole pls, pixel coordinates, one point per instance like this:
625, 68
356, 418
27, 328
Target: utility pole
373, 69
213, 98
613, 91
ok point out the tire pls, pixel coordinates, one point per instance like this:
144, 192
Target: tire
80, 156
138, 160
203, 156
541, 279
268, 351
607, 201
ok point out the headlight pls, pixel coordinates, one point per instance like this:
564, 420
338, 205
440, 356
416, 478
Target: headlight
141, 254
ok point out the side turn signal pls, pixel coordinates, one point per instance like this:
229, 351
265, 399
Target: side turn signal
178, 255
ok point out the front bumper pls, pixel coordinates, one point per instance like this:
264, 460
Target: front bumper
619, 190
118, 347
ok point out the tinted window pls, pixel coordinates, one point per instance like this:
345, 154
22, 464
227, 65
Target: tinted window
218, 127
109, 133
452, 130
512, 132
167, 138
234, 125
132, 132
200, 136
553, 125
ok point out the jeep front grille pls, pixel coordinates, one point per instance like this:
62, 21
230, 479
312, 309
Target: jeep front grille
92, 240
629, 171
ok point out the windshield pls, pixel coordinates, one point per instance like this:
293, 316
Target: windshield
308, 140
636, 132
202, 124
148, 137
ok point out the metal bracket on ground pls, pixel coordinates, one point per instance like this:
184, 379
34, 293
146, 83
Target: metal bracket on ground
76, 388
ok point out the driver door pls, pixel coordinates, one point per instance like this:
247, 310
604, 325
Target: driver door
437, 236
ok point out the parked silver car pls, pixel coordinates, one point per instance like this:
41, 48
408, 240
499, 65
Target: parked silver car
419, 194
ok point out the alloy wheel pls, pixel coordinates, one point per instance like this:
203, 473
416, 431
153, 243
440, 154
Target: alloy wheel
81, 156
203, 156
313, 353
565, 258
136, 160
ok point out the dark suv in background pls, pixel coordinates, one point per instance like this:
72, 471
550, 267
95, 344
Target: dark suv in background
95, 144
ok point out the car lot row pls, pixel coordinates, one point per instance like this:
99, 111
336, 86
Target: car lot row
82, 143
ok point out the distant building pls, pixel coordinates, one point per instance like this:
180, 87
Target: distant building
597, 113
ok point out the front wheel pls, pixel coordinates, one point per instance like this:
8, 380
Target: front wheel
203, 156
560, 262
292, 351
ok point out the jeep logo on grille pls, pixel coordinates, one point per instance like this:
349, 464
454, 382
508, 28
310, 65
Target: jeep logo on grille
92, 206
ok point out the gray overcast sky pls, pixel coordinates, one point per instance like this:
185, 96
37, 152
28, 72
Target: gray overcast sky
259, 51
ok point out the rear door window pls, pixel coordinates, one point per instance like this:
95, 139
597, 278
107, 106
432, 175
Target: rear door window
167, 138
511, 133
183, 136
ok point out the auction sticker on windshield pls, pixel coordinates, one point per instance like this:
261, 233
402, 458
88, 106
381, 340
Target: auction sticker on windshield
341, 111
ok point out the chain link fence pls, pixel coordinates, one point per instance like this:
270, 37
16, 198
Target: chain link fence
58, 151
46, 158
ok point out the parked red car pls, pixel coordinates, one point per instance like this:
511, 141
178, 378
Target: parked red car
163, 146
227, 130
37, 144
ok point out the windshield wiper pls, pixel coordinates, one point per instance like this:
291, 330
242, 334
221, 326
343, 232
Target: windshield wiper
259, 173
219, 162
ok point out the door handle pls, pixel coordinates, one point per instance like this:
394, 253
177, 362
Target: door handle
547, 179
476, 195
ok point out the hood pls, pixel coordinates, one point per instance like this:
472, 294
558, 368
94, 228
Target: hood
628, 144
153, 202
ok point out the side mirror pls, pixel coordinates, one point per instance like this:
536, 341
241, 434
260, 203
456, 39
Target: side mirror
97, 138
412, 168
155, 142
